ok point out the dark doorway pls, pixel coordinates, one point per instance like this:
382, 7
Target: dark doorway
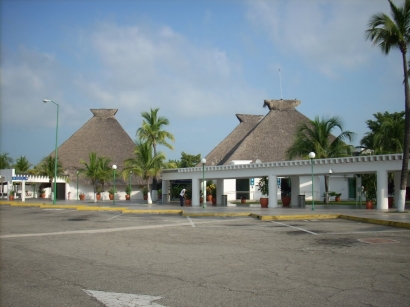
242, 188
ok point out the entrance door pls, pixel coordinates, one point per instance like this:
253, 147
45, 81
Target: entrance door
352, 187
242, 188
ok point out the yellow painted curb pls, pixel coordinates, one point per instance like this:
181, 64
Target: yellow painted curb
89, 208
136, 211
375, 221
216, 214
297, 217
25, 205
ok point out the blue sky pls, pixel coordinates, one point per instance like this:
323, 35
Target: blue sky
201, 62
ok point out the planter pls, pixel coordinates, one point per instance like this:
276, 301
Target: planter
201, 200
369, 204
337, 198
98, 196
243, 201
127, 197
145, 197
390, 200
111, 196
43, 195
286, 201
11, 197
82, 196
209, 198
264, 202
188, 202
213, 201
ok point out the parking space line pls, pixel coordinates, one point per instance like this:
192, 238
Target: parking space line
298, 228
113, 217
358, 232
190, 221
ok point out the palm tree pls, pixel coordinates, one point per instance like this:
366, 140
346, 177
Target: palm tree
144, 164
316, 135
47, 167
390, 33
96, 169
152, 131
386, 133
5, 161
22, 165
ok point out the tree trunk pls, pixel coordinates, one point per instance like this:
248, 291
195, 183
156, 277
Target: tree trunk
405, 165
327, 189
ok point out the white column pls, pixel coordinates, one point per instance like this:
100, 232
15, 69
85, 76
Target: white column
195, 191
219, 191
396, 187
23, 190
295, 190
273, 191
165, 191
382, 201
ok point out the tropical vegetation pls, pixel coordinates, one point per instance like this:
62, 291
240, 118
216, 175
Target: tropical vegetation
391, 33
316, 136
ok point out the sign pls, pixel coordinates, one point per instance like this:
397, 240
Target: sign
19, 178
252, 181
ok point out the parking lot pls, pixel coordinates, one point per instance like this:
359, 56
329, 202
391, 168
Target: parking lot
62, 257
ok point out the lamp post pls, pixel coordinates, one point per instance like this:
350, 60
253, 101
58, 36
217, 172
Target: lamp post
77, 183
55, 153
312, 155
130, 183
203, 161
114, 167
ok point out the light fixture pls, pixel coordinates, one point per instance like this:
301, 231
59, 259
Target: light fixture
203, 161
312, 155
55, 153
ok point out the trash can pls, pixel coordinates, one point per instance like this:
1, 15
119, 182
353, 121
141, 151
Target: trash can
301, 201
224, 200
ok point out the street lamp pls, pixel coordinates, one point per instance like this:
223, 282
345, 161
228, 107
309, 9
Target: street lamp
55, 152
114, 167
203, 161
77, 183
130, 183
312, 155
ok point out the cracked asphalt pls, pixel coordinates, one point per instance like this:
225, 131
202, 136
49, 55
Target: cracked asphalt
49, 256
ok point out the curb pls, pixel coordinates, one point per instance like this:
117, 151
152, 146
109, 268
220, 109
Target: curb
375, 221
296, 217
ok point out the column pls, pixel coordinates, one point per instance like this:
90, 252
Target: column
396, 188
165, 191
295, 190
195, 191
273, 191
382, 191
23, 190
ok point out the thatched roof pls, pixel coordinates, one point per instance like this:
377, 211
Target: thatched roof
102, 134
257, 137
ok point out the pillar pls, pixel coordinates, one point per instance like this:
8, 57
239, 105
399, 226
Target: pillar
273, 191
195, 191
165, 191
382, 191
295, 190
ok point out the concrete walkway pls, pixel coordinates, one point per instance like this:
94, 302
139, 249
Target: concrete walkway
382, 217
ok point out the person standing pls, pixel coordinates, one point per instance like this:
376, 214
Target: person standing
182, 197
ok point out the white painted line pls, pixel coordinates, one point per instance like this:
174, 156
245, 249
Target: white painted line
107, 230
113, 299
114, 217
374, 231
313, 233
192, 223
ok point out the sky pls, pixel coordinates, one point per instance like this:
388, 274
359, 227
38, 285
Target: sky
200, 62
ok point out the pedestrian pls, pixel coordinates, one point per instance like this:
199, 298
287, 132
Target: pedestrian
182, 197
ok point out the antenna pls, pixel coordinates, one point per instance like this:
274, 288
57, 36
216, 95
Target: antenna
280, 82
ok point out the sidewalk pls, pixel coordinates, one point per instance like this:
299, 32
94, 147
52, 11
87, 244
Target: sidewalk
382, 217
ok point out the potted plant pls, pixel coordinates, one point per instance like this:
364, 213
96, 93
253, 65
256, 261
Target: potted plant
159, 193
98, 191
128, 192
111, 193
201, 197
188, 197
11, 195
210, 187
42, 193
337, 196
243, 199
285, 192
264, 189
145, 193
82, 196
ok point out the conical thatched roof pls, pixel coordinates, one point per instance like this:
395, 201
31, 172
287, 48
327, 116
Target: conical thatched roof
102, 134
257, 137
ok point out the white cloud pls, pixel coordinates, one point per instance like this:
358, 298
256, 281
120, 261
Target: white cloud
327, 35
